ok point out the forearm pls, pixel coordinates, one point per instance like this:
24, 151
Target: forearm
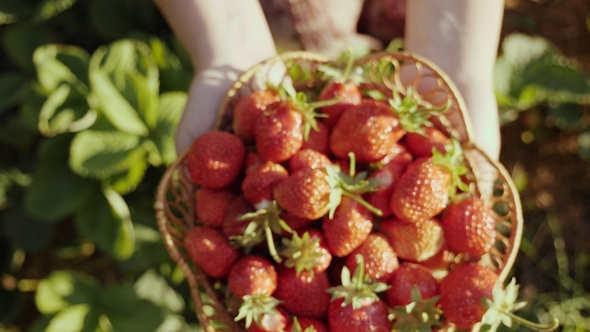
219, 33
461, 37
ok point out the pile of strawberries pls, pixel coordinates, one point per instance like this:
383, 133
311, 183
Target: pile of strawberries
338, 209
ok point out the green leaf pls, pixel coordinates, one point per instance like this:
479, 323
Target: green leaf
62, 289
105, 220
20, 41
15, 133
11, 303
56, 64
56, 191
170, 108
101, 154
126, 181
584, 144
24, 231
174, 74
65, 110
108, 83
149, 250
127, 312
13, 87
51, 8
153, 287
70, 319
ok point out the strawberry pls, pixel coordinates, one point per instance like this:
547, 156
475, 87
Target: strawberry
350, 95
306, 324
210, 250
380, 259
470, 227
461, 292
422, 191
343, 86
422, 142
303, 294
252, 275
407, 276
248, 109
304, 193
439, 263
411, 241
307, 158
355, 306
369, 130
278, 132
258, 186
348, 228
307, 250
210, 205
215, 159
318, 140
386, 178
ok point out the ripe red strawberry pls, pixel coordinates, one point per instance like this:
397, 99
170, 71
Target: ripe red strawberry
369, 130
380, 259
304, 294
210, 205
306, 324
386, 178
252, 275
305, 193
355, 306
307, 250
215, 159
425, 188
247, 110
407, 276
411, 241
348, 228
470, 227
369, 317
278, 131
421, 143
318, 140
461, 292
308, 159
210, 250
422, 191
258, 186
349, 93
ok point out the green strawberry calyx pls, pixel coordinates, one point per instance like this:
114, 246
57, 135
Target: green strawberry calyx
307, 109
453, 160
420, 315
350, 185
412, 115
255, 306
356, 289
301, 252
263, 223
501, 310
348, 74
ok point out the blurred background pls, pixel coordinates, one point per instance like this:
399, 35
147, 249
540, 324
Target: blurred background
79, 246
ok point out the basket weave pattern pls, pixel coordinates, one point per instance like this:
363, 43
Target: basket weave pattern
174, 203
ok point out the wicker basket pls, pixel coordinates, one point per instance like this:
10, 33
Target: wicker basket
401, 71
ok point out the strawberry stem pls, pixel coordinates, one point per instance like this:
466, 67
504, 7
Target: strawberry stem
364, 203
349, 64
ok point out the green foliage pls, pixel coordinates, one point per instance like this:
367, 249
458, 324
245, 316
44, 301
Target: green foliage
87, 127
